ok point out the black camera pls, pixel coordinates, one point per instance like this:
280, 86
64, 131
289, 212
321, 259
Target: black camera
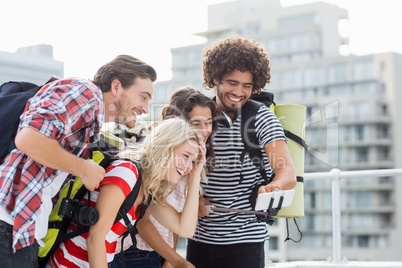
78, 212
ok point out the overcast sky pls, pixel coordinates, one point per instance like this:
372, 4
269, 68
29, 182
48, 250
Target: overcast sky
87, 33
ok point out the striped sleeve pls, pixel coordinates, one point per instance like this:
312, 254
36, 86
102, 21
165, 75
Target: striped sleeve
268, 127
123, 174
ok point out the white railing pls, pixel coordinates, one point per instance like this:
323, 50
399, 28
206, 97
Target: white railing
335, 175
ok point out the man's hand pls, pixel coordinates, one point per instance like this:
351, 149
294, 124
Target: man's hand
269, 188
201, 207
92, 175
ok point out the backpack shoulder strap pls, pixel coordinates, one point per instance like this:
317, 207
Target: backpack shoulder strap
130, 199
249, 137
247, 127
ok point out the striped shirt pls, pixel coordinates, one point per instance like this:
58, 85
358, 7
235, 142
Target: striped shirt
224, 188
73, 253
65, 110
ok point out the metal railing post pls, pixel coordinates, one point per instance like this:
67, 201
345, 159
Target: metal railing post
336, 214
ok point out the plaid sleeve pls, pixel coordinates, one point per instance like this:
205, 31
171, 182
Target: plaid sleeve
63, 108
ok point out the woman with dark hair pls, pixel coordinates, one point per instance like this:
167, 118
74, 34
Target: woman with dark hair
200, 111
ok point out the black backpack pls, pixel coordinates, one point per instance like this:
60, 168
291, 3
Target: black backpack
248, 132
13, 99
252, 148
250, 140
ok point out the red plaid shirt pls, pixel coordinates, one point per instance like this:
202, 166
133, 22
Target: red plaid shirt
66, 110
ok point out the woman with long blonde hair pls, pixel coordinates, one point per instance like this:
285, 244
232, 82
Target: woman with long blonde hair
172, 151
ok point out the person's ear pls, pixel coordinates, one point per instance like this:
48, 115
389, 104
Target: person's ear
114, 87
215, 82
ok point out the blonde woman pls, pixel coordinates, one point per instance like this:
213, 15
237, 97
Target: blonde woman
171, 151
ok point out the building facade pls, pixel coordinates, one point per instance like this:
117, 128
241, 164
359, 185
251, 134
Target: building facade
34, 64
352, 120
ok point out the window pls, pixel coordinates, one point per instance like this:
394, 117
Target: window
278, 45
385, 220
382, 131
300, 57
310, 200
312, 137
310, 159
193, 57
314, 76
386, 180
365, 88
176, 59
310, 221
359, 155
333, 134
363, 221
313, 115
362, 154
382, 66
316, 41
361, 199
253, 27
383, 153
338, 73
382, 109
363, 241
279, 59
332, 110
363, 70
293, 95
384, 198
359, 110
359, 133
300, 42
291, 78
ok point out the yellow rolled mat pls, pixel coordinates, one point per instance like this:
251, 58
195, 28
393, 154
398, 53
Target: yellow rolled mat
292, 118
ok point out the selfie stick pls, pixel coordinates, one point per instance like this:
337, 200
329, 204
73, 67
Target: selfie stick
267, 216
211, 208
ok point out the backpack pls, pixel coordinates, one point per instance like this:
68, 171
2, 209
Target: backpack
75, 190
292, 119
13, 99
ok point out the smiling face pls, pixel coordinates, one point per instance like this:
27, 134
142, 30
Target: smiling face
201, 119
132, 101
234, 90
184, 156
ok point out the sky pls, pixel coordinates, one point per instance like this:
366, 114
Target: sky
85, 34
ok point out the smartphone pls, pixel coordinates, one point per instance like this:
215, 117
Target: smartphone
264, 199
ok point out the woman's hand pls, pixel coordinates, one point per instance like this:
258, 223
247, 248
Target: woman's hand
200, 162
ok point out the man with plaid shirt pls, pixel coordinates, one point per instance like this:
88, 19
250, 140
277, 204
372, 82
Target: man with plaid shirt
53, 136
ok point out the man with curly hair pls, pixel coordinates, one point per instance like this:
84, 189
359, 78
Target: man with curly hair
235, 68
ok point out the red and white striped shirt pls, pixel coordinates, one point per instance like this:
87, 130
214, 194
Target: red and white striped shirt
73, 252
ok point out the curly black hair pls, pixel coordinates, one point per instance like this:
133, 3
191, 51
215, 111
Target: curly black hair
236, 53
